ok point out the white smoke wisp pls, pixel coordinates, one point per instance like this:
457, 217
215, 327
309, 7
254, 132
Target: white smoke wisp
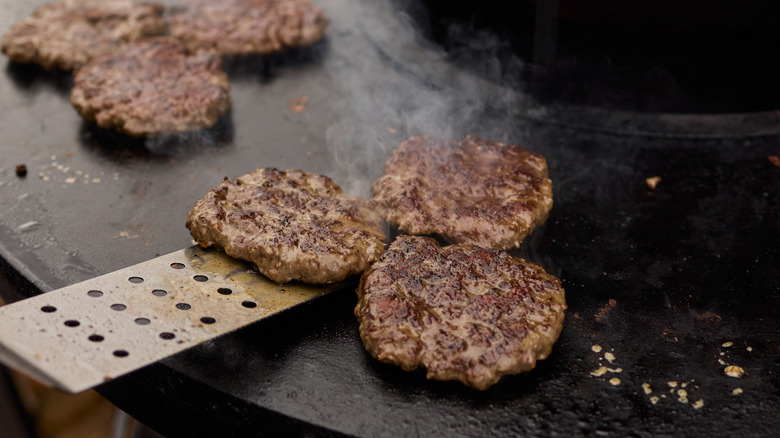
396, 85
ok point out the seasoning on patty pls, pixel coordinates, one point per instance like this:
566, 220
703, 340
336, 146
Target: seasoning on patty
244, 27
461, 312
150, 87
67, 34
293, 225
470, 191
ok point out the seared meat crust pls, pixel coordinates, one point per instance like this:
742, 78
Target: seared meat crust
462, 312
67, 34
293, 225
152, 87
243, 27
471, 191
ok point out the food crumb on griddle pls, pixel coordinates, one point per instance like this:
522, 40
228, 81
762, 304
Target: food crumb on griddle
676, 388
596, 348
614, 381
652, 182
668, 334
604, 310
21, 170
774, 159
727, 344
298, 104
709, 317
604, 370
609, 357
749, 348
28, 225
734, 371
737, 391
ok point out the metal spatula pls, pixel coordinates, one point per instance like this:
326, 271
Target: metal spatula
82, 335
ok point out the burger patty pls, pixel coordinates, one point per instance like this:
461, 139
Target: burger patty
153, 86
462, 312
292, 225
471, 191
242, 27
67, 34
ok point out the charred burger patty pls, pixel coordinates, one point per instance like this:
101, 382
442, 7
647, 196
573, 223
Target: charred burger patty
153, 86
471, 191
243, 27
461, 312
293, 225
67, 34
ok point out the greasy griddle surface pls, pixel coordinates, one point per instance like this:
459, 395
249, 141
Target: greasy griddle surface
690, 266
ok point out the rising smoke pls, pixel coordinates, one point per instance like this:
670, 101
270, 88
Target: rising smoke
398, 84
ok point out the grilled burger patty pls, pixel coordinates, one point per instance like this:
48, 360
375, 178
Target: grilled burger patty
242, 27
153, 86
67, 34
462, 312
471, 191
292, 224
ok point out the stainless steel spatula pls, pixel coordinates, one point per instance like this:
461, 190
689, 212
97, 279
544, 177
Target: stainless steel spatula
82, 335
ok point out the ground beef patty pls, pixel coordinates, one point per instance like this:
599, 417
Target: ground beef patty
292, 224
471, 191
67, 34
152, 87
462, 312
243, 27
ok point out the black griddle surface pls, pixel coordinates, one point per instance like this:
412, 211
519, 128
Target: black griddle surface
661, 279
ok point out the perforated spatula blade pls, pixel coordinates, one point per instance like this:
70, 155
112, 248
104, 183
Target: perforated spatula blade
82, 335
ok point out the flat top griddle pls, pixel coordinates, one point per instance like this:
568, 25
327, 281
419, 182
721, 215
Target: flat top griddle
676, 283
